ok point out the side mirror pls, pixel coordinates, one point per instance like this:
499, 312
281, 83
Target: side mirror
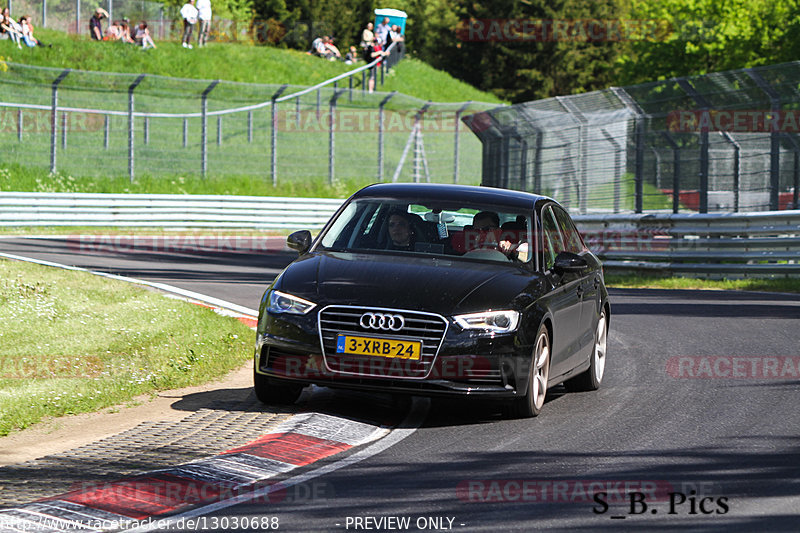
300, 241
569, 262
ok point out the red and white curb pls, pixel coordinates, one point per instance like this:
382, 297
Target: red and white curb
161, 497
158, 498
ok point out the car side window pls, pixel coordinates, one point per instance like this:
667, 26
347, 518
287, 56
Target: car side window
551, 237
572, 238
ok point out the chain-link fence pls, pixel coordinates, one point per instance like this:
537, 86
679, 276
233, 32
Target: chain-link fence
719, 142
107, 124
72, 16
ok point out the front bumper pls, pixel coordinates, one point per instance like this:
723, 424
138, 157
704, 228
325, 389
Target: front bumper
468, 364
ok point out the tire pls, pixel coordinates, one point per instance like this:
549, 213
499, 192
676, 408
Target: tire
531, 404
591, 379
273, 392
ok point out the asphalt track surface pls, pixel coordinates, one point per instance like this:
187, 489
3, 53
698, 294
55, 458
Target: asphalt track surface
700, 394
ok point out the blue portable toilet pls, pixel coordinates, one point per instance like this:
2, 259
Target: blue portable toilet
395, 16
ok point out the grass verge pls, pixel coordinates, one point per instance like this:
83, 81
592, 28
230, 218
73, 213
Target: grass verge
635, 281
75, 343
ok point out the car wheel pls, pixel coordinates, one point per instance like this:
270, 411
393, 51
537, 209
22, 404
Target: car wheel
531, 404
591, 379
273, 392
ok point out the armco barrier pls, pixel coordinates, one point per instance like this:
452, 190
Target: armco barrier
751, 244
164, 210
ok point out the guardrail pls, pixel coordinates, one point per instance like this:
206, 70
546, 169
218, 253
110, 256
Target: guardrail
164, 210
751, 244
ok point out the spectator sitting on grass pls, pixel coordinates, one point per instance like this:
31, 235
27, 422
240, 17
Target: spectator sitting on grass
96, 24
27, 33
331, 52
113, 32
351, 56
143, 36
125, 32
9, 28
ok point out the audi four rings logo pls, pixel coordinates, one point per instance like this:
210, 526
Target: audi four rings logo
382, 321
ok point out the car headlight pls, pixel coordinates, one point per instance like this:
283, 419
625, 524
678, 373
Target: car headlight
491, 321
280, 302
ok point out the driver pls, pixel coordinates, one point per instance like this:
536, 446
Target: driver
401, 231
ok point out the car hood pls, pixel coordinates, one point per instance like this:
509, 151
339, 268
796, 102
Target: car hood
438, 285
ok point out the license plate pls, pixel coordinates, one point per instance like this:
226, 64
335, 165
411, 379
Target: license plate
349, 344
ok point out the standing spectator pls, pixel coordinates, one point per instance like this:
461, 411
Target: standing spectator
143, 36
367, 36
189, 14
96, 24
204, 14
396, 37
382, 31
373, 52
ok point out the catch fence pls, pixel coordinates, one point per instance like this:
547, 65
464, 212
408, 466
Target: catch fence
110, 124
721, 142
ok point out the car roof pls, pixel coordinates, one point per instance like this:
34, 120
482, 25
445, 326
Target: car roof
424, 192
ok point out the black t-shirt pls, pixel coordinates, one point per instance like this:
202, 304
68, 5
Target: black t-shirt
95, 22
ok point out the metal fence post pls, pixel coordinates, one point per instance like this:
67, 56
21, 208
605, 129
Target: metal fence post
54, 119
676, 172
63, 130
350, 88
297, 112
774, 138
204, 133
146, 130
219, 130
250, 127
705, 107
455, 140
44, 13
274, 134
77, 16
19, 124
363, 81
185, 132
332, 127
380, 133
131, 88
106, 128
736, 165
319, 103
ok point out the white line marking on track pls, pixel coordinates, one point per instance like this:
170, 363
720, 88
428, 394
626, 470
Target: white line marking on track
161, 286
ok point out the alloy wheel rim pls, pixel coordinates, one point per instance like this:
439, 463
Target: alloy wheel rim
600, 348
541, 371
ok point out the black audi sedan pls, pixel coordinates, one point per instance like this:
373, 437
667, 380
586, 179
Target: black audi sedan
437, 290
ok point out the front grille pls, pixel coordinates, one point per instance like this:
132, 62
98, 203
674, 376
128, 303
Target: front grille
429, 328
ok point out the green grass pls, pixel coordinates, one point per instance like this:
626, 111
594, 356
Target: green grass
237, 62
635, 281
74, 343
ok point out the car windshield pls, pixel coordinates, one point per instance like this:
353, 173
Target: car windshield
471, 231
